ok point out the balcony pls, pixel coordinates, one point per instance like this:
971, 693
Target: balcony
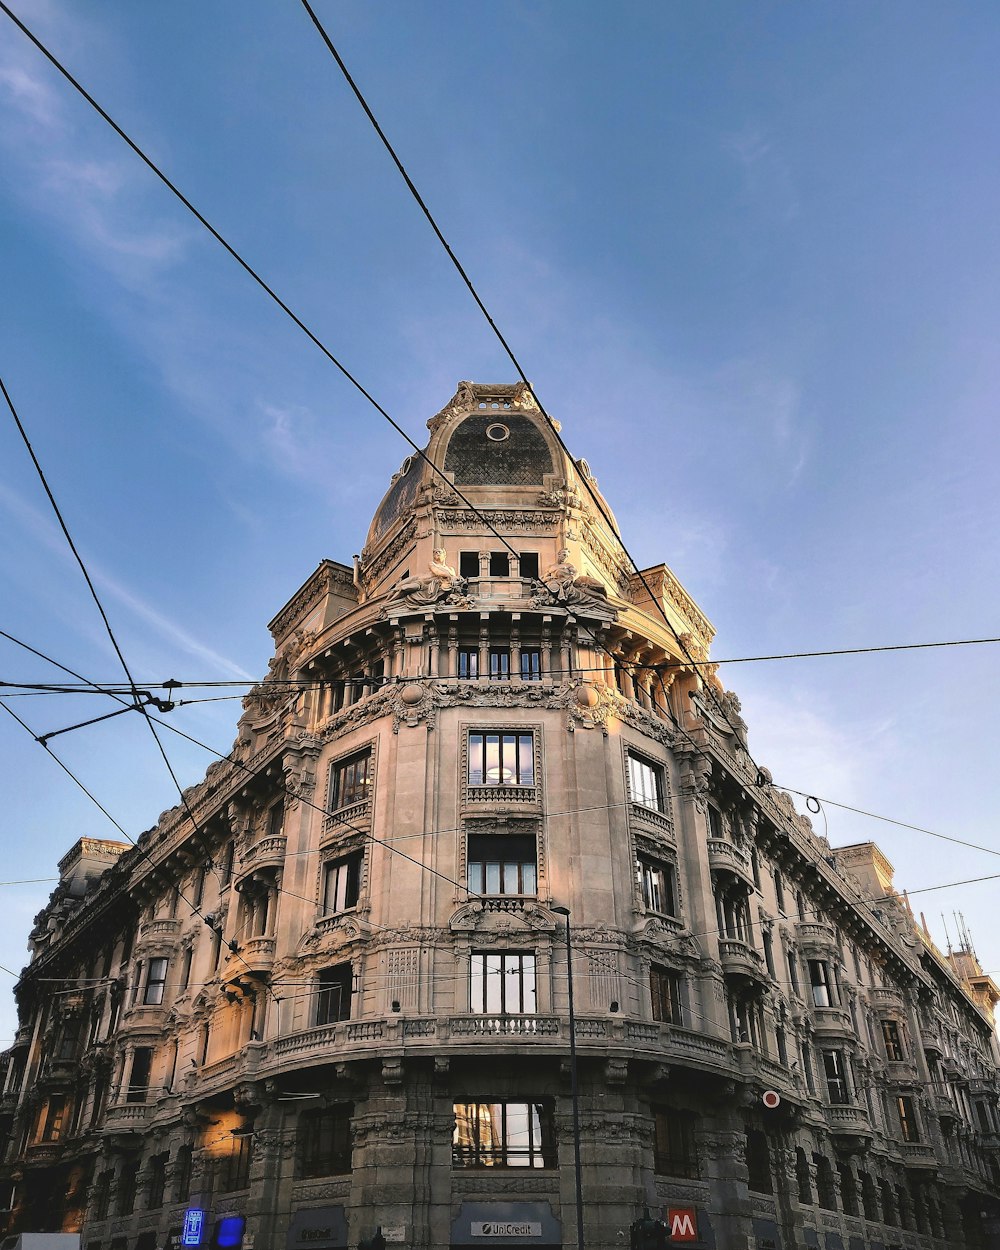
850, 1127
346, 819
723, 857
901, 1072
833, 1023
127, 1116
267, 853
918, 1157
947, 1113
930, 1042
741, 962
886, 996
504, 1026
255, 956
653, 819
817, 935
165, 928
521, 796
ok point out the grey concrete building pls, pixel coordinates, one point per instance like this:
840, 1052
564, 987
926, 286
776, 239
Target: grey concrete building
328, 992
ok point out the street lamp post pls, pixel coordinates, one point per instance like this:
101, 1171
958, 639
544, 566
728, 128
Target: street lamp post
574, 1088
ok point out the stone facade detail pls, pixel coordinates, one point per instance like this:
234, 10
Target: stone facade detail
329, 990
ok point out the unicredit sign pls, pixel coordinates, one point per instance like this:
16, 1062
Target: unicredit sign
526, 1228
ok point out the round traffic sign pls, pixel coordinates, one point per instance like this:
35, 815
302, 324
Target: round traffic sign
770, 1099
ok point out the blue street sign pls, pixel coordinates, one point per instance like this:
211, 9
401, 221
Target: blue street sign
194, 1222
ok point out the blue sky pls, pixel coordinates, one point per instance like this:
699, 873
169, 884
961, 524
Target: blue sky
747, 253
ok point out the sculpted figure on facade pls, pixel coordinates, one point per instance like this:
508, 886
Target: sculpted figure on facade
562, 584
440, 585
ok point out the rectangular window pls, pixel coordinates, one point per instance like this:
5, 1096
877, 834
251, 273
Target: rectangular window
892, 1040
127, 1181
468, 564
503, 1135
186, 968
499, 564
350, 780
657, 885
502, 864
665, 995
232, 1169
645, 781
836, 1076
819, 980
276, 818
156, 979
793, 971
779, 891
502, 983
499, 663
199, 885
55, 1113
907, 1118
333, 1001
531, 664
341, 883
324, 1142
468, 663
716, 827
674, 1152
807, 1067
138, 1081
157, 1181
528, 564
501, 759
228, 860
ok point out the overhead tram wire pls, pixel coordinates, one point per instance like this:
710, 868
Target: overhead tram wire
595, 498
245, 265
57, 64
350, 377
228, 758
312, 683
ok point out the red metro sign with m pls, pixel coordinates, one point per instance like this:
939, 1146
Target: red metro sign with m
682, 1224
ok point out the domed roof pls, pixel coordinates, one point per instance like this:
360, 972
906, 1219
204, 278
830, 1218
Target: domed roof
492, 449
400, 496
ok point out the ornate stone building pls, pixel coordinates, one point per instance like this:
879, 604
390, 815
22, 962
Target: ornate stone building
328, 992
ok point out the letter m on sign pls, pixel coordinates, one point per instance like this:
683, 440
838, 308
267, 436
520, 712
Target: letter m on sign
682, 1223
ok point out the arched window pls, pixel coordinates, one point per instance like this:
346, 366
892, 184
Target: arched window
759, 1177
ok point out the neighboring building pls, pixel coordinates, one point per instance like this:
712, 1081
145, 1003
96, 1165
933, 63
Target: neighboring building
328, 992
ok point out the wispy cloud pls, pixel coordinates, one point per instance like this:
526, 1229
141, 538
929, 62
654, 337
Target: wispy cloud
45, 533
767, 176
91, 198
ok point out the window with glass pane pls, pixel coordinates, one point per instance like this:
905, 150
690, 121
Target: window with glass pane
157, 1181
276, 819
468, 663
528, 564
55, 1113
501, 759
674, 1152
819, 979
501, 864
503, 1135
333, 999
907, 1118
350, 780
499, 663
645, 782
502, 983
531, 664
324, 1141
138, 1081
656, 882
341, 883
665, 994
836, 1076
893, 1040
156, 979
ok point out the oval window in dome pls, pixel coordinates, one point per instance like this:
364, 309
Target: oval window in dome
497, 433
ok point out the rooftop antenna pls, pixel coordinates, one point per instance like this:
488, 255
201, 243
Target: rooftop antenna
966, 935
947, 935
